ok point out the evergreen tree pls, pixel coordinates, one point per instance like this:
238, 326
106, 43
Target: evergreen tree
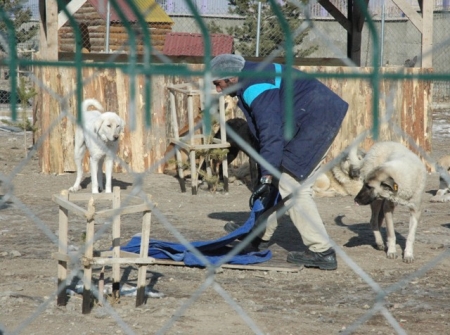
272, 35
18, 15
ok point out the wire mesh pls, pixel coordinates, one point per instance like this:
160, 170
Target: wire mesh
319, 36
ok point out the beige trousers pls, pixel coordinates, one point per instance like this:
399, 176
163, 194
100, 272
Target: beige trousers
303, 213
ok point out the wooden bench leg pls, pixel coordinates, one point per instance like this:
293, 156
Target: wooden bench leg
142, 272
116, 245
62, 248
194, 177
88, 303
180, 172
225, 174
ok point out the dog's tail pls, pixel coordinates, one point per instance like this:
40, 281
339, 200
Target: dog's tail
91, 102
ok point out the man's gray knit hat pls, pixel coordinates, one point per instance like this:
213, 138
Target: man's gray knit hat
226, 63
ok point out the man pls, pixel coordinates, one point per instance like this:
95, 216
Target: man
317, 117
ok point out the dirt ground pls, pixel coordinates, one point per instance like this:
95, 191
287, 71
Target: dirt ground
308, 301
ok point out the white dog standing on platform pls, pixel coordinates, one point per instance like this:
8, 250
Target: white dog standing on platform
99, 133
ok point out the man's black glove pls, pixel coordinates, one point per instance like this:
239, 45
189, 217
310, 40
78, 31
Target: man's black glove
264, 191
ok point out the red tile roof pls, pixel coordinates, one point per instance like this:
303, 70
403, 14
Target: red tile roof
190, 44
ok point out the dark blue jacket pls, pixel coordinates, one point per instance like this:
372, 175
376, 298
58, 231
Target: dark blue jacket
317, 117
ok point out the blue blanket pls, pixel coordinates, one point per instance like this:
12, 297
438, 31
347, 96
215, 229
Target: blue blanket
213, 250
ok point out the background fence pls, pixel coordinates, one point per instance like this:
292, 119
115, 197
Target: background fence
401, 44
399, 39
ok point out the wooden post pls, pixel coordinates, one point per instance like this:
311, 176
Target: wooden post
101, 286
50, 152
427, 34
424, 24
116, 244
194, 177
48, 25
142, 271
88, 256
62, 248
223, 140
173, 112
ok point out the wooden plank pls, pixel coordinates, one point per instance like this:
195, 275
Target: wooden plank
60, 257
190, 147
70, 206
237, 267
121, 260
124, 210
105, 260
86, 196
72, 7
123, 254
411, 13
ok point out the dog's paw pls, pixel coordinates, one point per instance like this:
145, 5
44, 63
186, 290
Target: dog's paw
391, 255
408, 256
75, 188
437, 198
380, 246
408, 259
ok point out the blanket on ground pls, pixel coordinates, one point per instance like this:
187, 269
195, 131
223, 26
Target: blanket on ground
213, 250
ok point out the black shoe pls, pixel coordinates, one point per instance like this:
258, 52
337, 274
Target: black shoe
260, 244
231, 226
323, 260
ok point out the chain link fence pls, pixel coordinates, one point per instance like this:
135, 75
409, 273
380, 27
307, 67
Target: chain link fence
318, 35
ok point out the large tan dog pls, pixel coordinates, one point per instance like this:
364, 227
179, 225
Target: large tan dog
99, 133
392, 175
443, 167
339, 181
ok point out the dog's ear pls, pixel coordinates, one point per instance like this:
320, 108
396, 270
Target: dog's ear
98, 124
122, 124
390, 183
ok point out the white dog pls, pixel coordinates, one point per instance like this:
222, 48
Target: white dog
340, 179
443, 167
99, 133
393, 175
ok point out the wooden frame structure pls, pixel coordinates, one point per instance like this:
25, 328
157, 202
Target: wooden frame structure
114, 257
353, 23
193, 142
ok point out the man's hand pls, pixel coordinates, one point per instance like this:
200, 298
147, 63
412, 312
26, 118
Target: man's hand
262, 191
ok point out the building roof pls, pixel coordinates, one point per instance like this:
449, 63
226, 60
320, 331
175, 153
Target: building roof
190, 44
152, 12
